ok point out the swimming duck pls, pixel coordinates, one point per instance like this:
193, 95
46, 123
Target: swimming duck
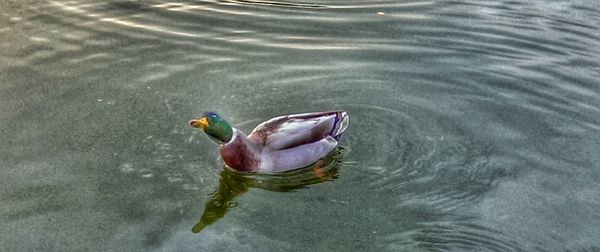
279, 144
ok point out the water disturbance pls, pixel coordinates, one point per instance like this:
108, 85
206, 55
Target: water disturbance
474, 124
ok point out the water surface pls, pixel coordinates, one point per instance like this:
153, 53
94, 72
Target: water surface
474, 124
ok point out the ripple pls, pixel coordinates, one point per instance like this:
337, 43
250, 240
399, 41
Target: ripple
126, 167
474, 123
428, 161
256, 36
444, 236
145, 173
276, 3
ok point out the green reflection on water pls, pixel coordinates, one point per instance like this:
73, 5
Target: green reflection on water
233, 184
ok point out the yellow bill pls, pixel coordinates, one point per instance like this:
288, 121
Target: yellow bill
201, 123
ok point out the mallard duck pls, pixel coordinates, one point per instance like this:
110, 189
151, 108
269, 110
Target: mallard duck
280, 144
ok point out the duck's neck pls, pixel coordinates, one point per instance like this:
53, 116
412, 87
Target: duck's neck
240, 153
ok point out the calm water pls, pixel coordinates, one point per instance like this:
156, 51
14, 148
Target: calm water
474, 124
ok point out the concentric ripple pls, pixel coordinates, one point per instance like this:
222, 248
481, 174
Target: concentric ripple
454, 236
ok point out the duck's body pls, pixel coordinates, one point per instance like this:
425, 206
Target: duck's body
283, 143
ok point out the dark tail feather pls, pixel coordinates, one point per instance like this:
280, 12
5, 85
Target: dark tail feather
341, 124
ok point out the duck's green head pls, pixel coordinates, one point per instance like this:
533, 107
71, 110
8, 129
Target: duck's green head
214, 126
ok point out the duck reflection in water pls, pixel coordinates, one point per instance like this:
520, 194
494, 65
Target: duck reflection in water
233, 184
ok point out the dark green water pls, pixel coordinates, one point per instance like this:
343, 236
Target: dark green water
474, 124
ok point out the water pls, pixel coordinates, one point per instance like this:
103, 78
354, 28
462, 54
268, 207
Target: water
474, 124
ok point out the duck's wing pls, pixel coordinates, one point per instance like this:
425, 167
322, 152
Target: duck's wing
297, 156
289, 131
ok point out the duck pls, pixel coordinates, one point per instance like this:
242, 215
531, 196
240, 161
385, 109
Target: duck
280, 144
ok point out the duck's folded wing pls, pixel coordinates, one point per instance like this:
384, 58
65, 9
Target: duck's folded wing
293, 130
299, 156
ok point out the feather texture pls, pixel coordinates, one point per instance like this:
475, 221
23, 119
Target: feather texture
286, 142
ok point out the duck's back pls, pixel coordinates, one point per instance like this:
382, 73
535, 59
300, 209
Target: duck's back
293, 130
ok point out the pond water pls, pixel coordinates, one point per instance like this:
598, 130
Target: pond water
474, 124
